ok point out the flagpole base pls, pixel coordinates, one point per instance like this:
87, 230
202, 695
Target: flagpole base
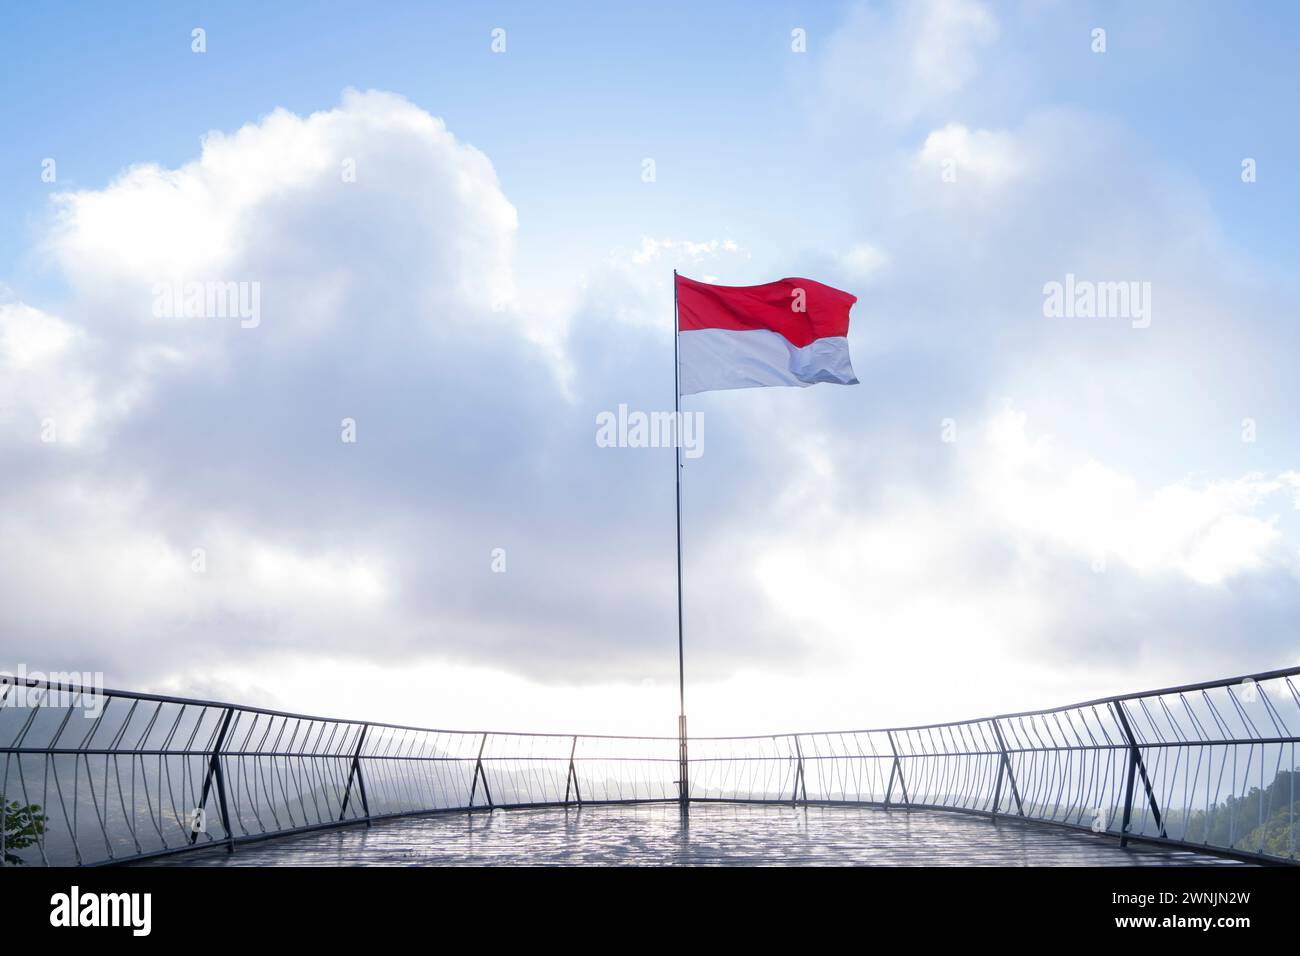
683, 767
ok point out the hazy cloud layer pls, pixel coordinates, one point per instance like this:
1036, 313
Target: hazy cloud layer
386, 301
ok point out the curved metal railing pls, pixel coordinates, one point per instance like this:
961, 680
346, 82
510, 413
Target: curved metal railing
103, 776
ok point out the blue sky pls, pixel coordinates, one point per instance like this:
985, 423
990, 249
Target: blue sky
834, 542
584, 94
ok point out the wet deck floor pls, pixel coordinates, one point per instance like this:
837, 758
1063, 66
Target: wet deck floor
717, 835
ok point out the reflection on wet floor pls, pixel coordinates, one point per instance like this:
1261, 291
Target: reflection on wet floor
716, 835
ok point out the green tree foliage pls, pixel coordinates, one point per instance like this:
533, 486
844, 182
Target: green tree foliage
23, 826
1236, 822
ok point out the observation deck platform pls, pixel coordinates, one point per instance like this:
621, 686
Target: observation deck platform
717, 834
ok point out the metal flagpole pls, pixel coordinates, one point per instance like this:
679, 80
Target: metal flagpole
682, 776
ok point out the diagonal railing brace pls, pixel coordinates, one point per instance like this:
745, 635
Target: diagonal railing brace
215, 774
571, 781
1004, 766
355, 774
479, 774
896, 770
1136, 768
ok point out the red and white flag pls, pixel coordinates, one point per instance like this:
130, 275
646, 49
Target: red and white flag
787, 332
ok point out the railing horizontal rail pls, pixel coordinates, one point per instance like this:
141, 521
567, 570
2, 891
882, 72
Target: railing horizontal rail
1097, 702
129, 752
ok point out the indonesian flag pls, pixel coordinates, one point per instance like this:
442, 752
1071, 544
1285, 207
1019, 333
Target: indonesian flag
787, 332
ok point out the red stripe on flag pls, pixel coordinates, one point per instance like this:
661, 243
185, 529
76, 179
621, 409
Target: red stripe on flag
771, 306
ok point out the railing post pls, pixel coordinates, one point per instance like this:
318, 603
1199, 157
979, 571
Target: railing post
571, 781
478, 772
1135, 768
215, 772
1004, 764
997, 793
997, 787
895, 769
355, 773
1128, 799
800, 781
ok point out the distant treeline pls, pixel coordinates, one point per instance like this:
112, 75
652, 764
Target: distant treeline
1236, 822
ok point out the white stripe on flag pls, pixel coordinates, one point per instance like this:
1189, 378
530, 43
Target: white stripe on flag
713, 359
